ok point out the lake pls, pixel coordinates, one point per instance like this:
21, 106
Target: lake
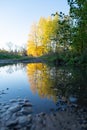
46, 87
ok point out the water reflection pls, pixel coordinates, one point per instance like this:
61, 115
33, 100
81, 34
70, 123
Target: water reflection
41, 80
12, 68
46, 83
53, 82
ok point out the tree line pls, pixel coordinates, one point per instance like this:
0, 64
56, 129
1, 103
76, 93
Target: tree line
63, 34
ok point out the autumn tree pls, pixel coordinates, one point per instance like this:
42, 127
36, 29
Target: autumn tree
40, 36
33, 41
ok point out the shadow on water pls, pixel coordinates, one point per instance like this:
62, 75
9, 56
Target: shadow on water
56, 82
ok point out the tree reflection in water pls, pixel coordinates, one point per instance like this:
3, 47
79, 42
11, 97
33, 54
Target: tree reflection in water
53, 82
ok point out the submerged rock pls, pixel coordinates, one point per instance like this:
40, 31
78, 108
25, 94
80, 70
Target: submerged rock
15, 114
18, 116
26, 100
26, 110
11, 123
14, 108
26, 104
23, 120
13, 100
73, 99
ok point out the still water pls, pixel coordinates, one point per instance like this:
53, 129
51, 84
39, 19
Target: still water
44, 86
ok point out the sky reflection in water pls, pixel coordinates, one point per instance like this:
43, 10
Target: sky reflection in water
16, 82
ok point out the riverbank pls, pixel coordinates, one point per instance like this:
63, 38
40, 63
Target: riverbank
23, 60
50, 59
65, 59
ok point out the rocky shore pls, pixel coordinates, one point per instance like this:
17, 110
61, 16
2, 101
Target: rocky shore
17, 114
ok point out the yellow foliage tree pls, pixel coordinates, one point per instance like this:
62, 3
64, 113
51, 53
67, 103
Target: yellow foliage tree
40, 42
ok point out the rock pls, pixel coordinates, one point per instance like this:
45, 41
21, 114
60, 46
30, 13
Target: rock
29, 117
14, 108
52, 109
13, 100
33, 127
19, 113
3, 92
22, 120
3, 104
11, 123
20, 100
42, 114
0, 103
26, 110
7, 115
2, 110
72, 99
21, 103
3, 128
6, 107
27, 104
84, 126
26, 100
74, 105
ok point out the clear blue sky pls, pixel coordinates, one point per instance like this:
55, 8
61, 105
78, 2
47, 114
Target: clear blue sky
17, 16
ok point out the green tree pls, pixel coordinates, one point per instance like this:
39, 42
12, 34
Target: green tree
62, 32
78, 13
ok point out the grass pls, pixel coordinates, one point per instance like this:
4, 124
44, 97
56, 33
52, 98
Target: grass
66, 58
13, 56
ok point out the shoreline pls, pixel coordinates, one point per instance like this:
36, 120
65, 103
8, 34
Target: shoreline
14, 61
18, 114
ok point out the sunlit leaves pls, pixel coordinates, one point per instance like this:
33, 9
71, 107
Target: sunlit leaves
39, 42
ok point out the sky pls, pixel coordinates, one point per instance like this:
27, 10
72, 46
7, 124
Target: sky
17, 16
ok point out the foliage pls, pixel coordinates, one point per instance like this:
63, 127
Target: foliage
64, 35
78, 13
4, 54
40, 36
